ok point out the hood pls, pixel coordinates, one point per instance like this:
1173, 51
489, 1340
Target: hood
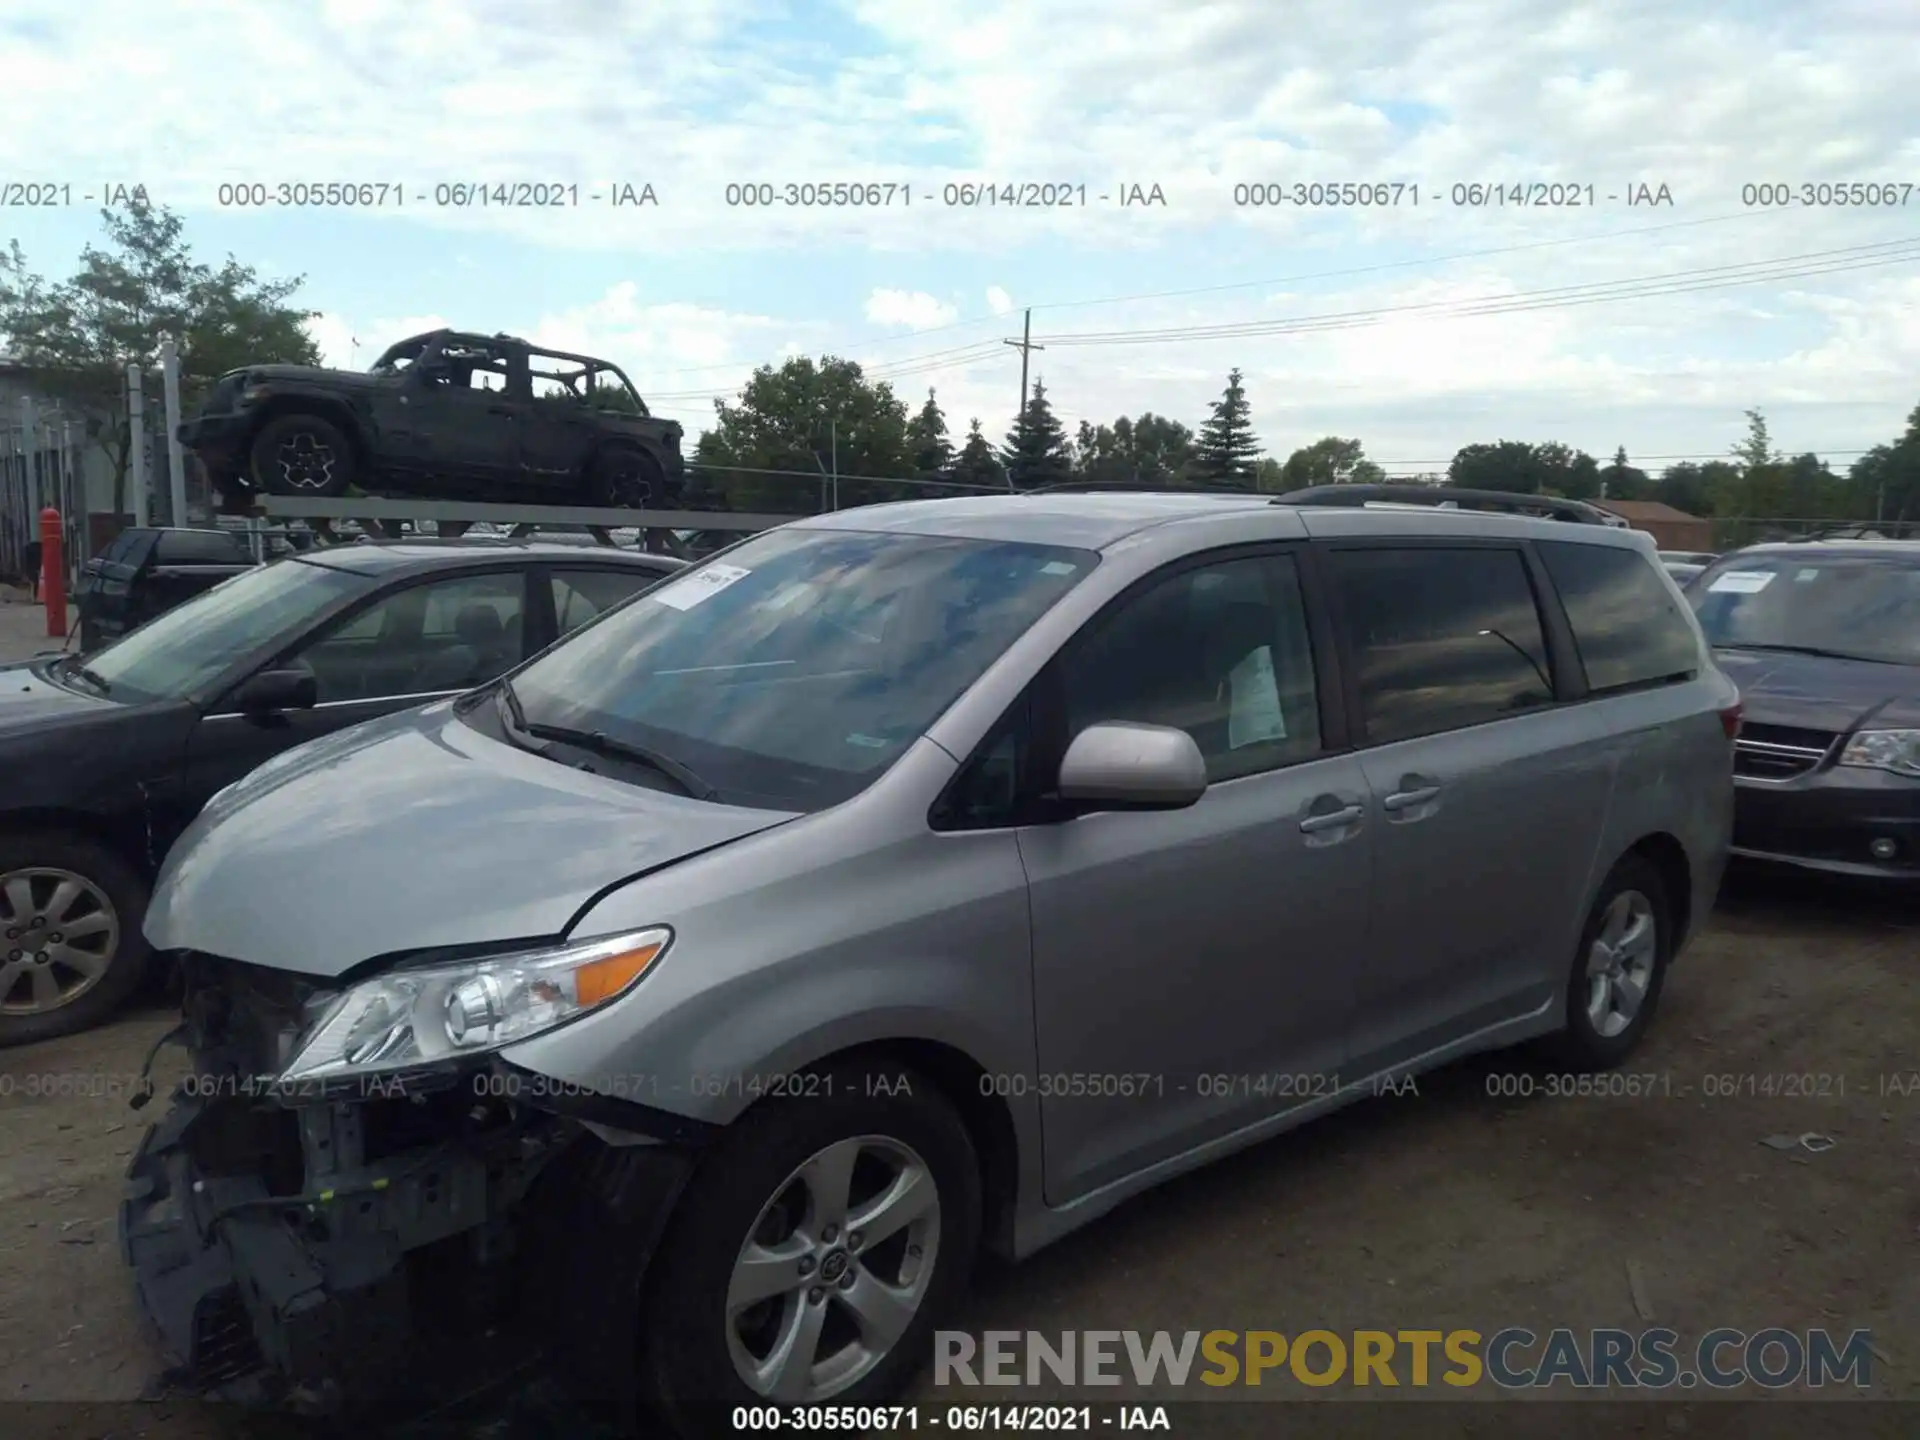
332, 379
29, 700
414, 832
1817, 692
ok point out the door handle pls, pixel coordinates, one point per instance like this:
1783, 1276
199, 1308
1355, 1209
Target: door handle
1330, 820
500, 410
1407, 799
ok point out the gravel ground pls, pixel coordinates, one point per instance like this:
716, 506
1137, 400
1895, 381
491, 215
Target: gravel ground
1455, 1207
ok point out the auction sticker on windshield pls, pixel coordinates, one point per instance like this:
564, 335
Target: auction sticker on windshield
1742, 582
690, 590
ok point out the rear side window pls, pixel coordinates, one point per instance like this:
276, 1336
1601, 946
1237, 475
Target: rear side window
1441, 639
1626, 623
202, 547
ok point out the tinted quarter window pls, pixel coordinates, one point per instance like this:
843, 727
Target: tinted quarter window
1220, 651
1626, 623
1442, 639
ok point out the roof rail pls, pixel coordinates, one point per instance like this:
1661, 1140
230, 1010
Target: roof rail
1577, 511
1137, 487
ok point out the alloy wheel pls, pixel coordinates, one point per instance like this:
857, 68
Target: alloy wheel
306, 463
58, 935
1620, 963
833, 1270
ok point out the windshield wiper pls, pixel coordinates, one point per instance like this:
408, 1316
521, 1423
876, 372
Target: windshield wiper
601, 743
77, 668
514, 722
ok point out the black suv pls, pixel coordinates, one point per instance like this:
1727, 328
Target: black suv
445, 414
148, 570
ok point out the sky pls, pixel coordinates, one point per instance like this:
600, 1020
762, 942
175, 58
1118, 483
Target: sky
1440, 314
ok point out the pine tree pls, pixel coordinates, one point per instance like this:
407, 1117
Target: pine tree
1036, 452
927, 435
1227, 450
976, 464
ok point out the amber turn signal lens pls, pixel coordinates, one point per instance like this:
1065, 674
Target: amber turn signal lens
603, 979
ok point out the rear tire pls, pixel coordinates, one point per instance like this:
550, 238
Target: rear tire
302, 455
758, 1195
623, 478
90, 904
1619, 970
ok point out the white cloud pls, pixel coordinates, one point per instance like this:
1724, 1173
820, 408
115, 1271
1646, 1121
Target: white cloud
913, 309
1067, 94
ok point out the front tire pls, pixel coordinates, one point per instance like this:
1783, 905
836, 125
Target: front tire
813, 1252
71, 951
302, 455
1619, 971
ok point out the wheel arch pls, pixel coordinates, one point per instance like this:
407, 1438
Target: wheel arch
125, 835
1669, 858
333, 410
989, 1121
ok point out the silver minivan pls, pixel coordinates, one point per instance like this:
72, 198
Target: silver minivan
920, 879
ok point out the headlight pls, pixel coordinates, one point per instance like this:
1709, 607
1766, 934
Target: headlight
416, 1017
1895, 750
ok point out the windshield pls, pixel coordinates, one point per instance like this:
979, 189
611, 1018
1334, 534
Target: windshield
1864, 607
792, 674
174, 654
397, 358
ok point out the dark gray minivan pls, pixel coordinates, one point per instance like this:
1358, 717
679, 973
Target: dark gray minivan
919, 878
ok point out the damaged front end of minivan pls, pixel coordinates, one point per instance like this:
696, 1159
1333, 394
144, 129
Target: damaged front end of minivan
353, 1201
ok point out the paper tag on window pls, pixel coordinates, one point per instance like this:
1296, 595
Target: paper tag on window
690, 590
1742, 582
1254, 714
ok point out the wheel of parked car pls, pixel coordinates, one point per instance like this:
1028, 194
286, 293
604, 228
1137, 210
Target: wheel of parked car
302, 455
1619, 969
814, 1251
628, 479
71, 951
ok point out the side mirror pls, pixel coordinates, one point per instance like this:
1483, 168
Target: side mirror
1119, 765
271, 691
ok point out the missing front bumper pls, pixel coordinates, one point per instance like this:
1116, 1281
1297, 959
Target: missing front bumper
321, 1295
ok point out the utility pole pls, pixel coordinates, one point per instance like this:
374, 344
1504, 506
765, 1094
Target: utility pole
137, 440
176, 459
1026, 347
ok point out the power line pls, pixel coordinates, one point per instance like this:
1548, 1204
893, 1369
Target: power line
1681, 282
1227, 287
1784, 267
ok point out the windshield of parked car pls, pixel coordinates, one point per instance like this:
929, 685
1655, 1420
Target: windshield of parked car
796, 671
1859, 607
174, 654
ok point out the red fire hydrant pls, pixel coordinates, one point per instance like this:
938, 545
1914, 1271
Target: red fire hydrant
53, 574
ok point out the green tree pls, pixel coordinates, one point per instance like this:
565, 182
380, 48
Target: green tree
1330, 461
1226, 450
1758, 485
1885, 482
976, 464
1623, 481
804, 419
1269, 476
927, 436
1037, 452
1691, 487
1516, 467
74, 338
